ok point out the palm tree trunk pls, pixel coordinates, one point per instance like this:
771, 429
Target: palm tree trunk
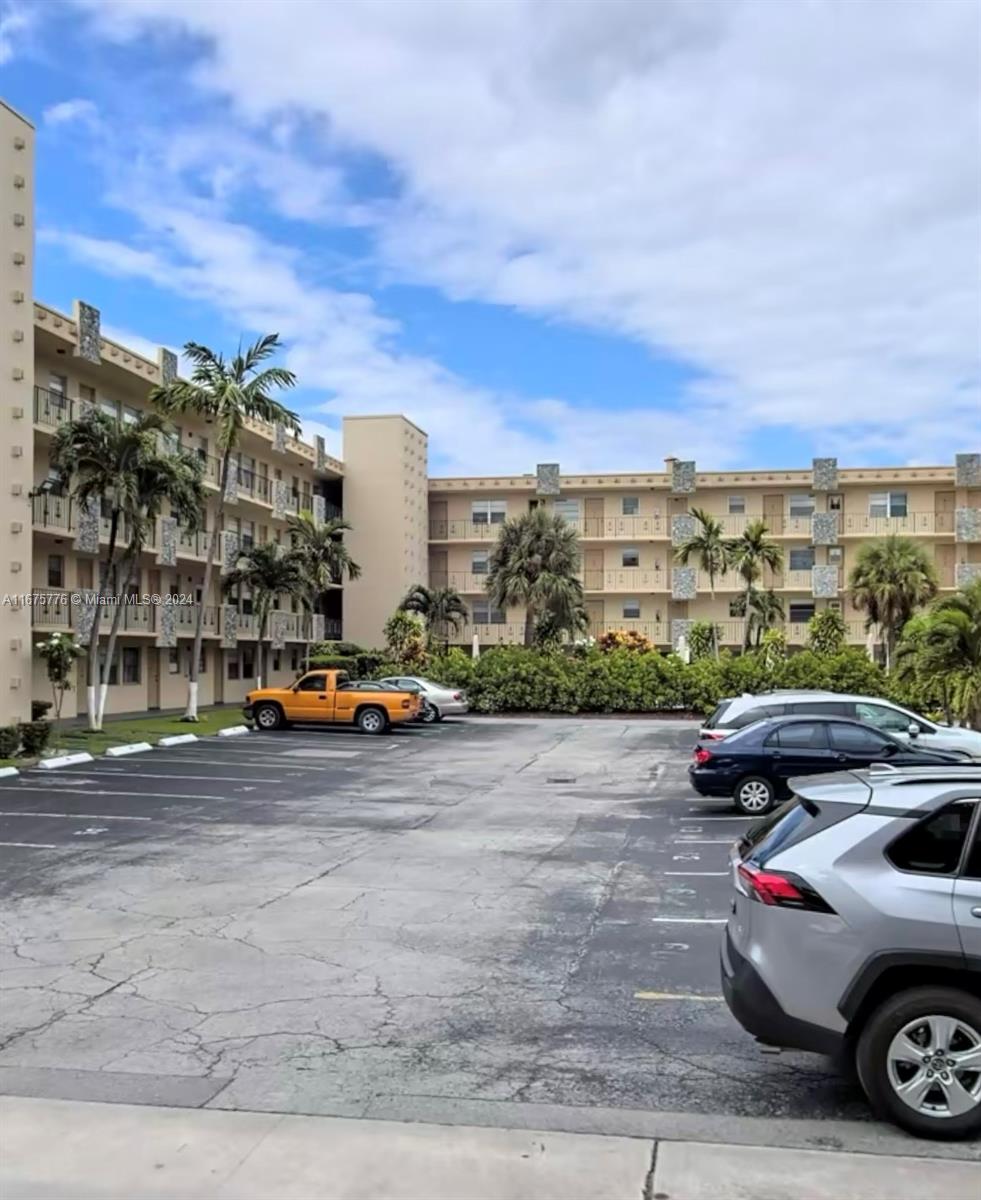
529, 626
117, 620
260, 649
93, 668
191, 712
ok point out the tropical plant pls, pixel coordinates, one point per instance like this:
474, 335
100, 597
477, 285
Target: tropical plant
892, 578
703, 639
918, 669
623, 639
267, 572
59, 652
773, 648
96, 460
442, 609
323, 558
226, 392
708, 546
535, 564
951, 647
749, 555
405, 638
761, 609
826, 632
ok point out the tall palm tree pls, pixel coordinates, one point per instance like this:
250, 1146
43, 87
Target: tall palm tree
708, 546
441, 608
324, 559
226, 392
892, 577
748, 555
535, 563
266, 571
952, 638
96, 459
763, 609
160, 477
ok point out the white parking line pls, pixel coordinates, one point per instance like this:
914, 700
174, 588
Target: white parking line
252, 764
676, 996
713, 817
212, 777
25, 788
703, 841
33, 845
688, 920
712, 874
74, 816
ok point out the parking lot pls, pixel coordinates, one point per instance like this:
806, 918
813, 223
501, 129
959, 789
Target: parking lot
495, 921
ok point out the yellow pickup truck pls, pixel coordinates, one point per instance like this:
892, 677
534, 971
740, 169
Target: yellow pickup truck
330, 697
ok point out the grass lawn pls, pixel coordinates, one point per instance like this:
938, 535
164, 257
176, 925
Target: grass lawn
117, 730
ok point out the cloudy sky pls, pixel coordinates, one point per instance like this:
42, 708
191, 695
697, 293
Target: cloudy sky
596, 232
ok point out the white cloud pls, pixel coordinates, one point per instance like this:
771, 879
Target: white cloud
16, 22
787, 196
71, 112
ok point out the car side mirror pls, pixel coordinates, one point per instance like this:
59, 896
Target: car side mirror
913, 729
889, 750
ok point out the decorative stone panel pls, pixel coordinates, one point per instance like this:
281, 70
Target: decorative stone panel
229, 627
319, 509
229, 550
965, 573
89, 323
231, 482
967, 525
87, 528
317, 630
683, 527
166, 625
321, 448
824, 529
167, 550
680, 628
824, 475
548, 479
277, 630
168, 366
279, 437
967, 473
82, 617
684, 583
280, 497
824, 582
682, 477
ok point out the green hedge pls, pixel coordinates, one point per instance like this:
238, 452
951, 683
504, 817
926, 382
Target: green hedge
513, 679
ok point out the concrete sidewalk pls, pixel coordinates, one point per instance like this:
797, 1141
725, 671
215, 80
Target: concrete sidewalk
73, 1150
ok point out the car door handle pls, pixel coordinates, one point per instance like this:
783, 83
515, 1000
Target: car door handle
322, 696
841, 757
976, 911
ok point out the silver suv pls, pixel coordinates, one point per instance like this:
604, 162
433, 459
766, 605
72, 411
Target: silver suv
856, 929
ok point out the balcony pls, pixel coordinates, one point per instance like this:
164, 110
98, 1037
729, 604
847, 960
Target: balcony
626, 579
860, 525
52, 409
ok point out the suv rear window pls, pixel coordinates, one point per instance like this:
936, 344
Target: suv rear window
715, 720
790, 824
934, 846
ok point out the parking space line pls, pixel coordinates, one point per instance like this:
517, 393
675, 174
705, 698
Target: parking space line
706, 874
252, 764
73, 816
148, 775
26, 789
688, 920
34, 845
690, 841
677, 996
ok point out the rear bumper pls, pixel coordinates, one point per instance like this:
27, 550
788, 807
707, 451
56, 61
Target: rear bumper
709, 783
454, 708
758, 1011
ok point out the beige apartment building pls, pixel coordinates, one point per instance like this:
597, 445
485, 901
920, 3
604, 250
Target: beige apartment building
407, 527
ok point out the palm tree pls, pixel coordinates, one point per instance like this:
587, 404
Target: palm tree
226, 392
324, 559
708, 547
762, 610
748, 555
96, 458
441, 608
952, 639
266, 571
160, 477
535, 563
892, 577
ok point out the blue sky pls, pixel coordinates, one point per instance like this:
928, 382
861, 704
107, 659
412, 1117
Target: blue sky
596, 234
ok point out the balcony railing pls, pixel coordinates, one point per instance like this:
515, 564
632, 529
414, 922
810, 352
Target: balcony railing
861, 525
52, 409
52, 512
731, 632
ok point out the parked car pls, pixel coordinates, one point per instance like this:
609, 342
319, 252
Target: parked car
753, 765
740, 711
439, 701
856, 931
331, 697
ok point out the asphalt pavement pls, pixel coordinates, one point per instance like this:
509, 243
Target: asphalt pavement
489, 922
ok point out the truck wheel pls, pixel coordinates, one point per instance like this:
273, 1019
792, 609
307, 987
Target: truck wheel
372, 720
268, 716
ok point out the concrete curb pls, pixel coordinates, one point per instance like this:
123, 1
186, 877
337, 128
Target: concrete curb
65, 760
178, 739
128, 748
234, 731
7, 772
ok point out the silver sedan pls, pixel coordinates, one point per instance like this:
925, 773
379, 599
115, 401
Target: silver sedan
439, 700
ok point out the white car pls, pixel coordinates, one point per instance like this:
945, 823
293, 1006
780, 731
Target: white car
440, 701
740, 711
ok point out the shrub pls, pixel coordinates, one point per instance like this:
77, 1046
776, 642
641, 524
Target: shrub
9, 740
826, 632
702, 637
335, 662
623, 639
773, 648
34, 736
40, 709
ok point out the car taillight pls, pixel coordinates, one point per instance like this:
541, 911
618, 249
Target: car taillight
457, 695
701, 755
781, 890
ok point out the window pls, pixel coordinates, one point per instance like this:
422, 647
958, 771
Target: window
801, 504
170, 440
294, 660
203, 664
57, 384
568, 510
737, 505
312, 683
233, 666
248, 534
800, 613
130, 415
972, 868
630, 506
56, 571
110, 408
736, 608
856, 739
752, 715
248, 663
131, 664
480, 562
800, 735
835, 502
887, 504
173, 661
275, 661
484, 613
802, 559
836, 556
631, 610
892, 720
934, 846
86, 393
821, 708
630, 558
488, 512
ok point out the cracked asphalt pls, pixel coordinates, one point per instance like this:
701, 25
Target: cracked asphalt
440, 921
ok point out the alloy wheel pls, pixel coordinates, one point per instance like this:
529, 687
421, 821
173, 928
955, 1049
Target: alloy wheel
934, 1066
754, 796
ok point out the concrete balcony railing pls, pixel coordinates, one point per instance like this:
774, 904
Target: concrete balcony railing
626, 579
860, 525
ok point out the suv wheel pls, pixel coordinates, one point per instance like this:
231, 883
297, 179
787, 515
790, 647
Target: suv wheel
754, 795
919, 1060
